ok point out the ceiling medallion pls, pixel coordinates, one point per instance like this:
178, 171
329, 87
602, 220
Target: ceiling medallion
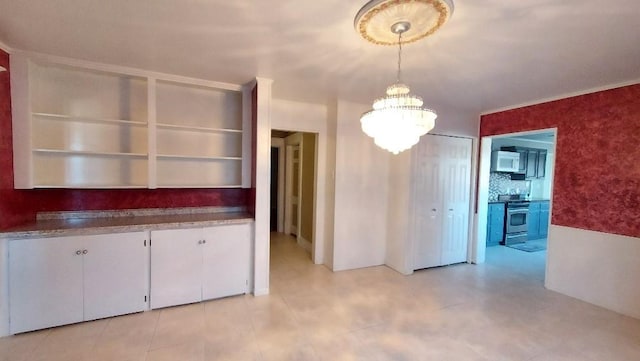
426, 16
398, 120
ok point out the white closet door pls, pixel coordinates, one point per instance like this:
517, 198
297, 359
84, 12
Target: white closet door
441, 173
45, 282
456, 180
114, 274
176, 267
427, 204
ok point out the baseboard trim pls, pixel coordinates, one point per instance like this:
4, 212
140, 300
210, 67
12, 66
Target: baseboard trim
261, 292
304, 244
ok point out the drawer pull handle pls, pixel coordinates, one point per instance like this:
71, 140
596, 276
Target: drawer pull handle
78, 252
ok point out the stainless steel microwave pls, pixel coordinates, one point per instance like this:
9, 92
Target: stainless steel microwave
502, 161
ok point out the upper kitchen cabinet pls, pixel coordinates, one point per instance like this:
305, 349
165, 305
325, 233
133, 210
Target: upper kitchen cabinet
536, 163
542, 164
83, 125
532, 161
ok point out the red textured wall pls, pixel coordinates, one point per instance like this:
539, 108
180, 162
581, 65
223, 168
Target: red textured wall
19, 206
596, 183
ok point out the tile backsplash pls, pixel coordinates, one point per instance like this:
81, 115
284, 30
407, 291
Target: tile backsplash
501, 183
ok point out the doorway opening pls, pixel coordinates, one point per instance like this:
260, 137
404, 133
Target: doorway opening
514, 201
293, 187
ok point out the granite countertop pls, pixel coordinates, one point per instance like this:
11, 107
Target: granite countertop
96, 222
530, 200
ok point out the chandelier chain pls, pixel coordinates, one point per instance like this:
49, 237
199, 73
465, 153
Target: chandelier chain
399, 54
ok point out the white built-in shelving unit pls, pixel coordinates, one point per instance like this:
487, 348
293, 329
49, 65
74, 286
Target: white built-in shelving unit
199, 136
85, 125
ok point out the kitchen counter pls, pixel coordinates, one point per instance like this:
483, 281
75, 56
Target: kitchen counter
130, 220
530, 200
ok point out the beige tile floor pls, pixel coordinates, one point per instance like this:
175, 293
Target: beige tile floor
495, 311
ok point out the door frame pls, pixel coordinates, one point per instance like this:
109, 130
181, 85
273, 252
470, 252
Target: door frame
320, 169
479, 244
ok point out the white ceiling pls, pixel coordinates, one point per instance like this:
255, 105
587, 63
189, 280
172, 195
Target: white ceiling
492, 54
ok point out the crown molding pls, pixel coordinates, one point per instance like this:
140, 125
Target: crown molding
5, 47
563, 96
136, 72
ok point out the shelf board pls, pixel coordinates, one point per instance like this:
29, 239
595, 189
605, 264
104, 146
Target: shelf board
199, 186
87, 153
90, 186
72, 118
195, 157
197, 129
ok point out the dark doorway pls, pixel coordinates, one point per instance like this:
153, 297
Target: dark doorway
274, 189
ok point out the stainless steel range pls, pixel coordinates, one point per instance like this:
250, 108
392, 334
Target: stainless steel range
515, 230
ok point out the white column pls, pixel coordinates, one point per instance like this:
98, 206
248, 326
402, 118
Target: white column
263, 172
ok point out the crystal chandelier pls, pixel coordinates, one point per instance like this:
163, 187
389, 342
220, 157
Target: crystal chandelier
398, 120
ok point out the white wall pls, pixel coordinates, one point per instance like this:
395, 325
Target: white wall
399, 215
599, 268
4, 287
453, 121
361, 185
332, 121
311, 118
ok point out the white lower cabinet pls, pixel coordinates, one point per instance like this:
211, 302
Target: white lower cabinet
62, 280
190, 265
226, 261
176, 263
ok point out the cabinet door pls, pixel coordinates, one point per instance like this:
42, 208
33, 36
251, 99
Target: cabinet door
45, 283
226, 260
532, 163
114, 274
522, 168
496, 221
489, 240
533, 221
542, 164
176, 267
544, 219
